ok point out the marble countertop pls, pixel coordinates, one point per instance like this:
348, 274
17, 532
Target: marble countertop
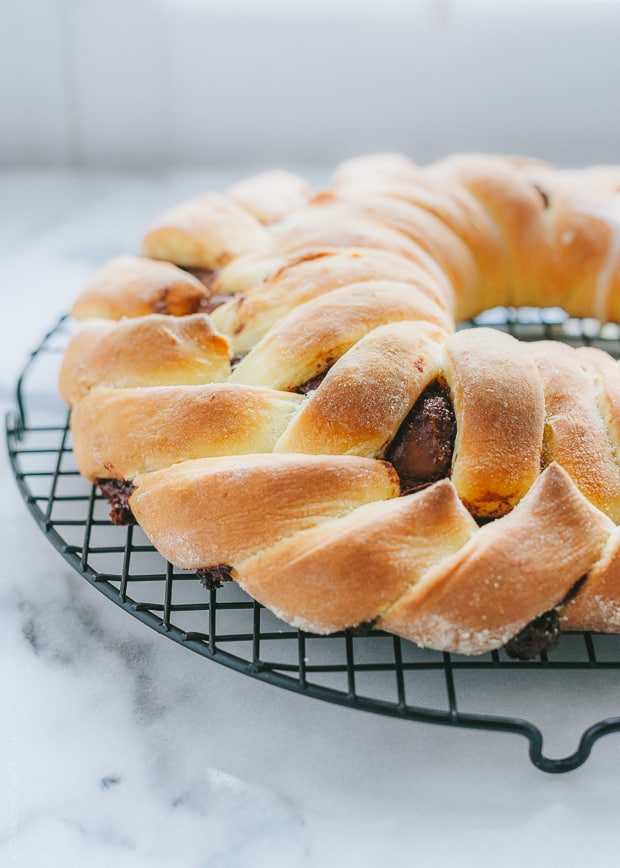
121, 747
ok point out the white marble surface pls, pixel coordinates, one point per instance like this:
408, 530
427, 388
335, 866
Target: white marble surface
119, 747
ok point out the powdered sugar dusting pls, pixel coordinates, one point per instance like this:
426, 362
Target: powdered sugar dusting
438, 632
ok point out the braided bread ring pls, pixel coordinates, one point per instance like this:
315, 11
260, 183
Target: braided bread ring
268, 438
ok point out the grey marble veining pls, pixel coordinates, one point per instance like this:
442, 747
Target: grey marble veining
121, 748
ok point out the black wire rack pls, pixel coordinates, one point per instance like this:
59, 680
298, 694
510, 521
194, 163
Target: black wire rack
377, 672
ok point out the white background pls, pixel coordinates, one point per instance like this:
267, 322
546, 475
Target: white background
144, 83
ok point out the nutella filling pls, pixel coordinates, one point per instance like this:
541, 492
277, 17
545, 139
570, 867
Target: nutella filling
538, 637
211, 578
205, 275
210, 302
206, 304
117, 492
543, 633
311, 384
364, 628
234, 361
422, 450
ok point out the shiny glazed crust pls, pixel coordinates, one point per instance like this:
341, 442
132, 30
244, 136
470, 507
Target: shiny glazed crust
256, 436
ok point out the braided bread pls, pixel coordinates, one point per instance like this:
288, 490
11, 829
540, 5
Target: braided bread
275, 390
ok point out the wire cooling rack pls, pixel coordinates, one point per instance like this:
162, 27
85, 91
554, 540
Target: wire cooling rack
376, 672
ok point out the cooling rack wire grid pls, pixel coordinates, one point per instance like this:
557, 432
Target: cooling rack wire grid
375, 672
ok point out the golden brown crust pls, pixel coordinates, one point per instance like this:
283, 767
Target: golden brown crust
504, 577
222, 510
325, 226
485, 266
121, 433
430, 234
360, 284
250, 270
560, 246
313, 336
500, 413
575, 435
148, 351
133, 286
269, 196
605, 377
349, 571
329, 225
596, 605
516, 209
205, 232
361, 403
249, 317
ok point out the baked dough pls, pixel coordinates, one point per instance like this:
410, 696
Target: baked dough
277, 390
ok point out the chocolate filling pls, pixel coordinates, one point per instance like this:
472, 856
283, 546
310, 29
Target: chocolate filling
117, 492
422, 450
364, 628
543, 633
538, 637
575, 589
205, 275
210, 302
311, 384
206, 304
211, 578
234, 361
